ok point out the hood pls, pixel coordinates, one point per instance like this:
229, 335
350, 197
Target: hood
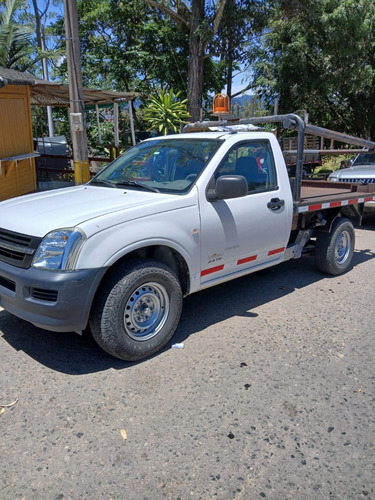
39, 213
360, 172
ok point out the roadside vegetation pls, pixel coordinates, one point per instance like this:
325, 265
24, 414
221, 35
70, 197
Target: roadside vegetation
310, 55
166, 113
331, 163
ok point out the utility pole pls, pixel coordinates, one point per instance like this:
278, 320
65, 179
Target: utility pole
77, 105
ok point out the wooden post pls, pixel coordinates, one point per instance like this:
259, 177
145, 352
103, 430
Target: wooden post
98, 124
115, 117
131, 121
276, 106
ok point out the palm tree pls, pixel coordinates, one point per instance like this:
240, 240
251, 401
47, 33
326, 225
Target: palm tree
15, 39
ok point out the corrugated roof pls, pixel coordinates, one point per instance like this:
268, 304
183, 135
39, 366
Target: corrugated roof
46, 93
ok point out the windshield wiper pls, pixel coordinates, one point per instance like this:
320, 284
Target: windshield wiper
99, 182
138, 185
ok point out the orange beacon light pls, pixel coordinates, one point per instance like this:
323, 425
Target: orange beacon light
221, 104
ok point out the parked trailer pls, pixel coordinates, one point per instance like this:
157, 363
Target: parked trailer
311, 155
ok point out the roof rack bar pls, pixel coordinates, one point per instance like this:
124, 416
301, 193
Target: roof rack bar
338, 136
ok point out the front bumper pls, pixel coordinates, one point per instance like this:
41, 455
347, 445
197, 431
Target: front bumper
53, 300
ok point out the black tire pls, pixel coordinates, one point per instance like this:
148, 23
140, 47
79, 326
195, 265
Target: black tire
334, 250
137, 310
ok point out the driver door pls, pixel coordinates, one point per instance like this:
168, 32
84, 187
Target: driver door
241, 234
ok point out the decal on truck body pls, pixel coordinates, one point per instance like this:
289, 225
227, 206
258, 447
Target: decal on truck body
239, 262
333, 204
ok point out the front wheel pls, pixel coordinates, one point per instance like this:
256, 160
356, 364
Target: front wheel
137, 310
334, 250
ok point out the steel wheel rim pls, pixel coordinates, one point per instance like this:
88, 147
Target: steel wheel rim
146, 311
342, 248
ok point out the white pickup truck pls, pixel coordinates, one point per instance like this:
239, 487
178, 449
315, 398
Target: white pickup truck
172, 216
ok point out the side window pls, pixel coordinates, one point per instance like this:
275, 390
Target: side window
254, 161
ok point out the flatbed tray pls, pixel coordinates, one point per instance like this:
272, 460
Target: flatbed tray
317, 195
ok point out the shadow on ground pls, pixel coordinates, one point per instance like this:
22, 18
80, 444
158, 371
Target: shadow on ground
77, 355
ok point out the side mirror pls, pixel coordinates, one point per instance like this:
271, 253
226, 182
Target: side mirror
228, 186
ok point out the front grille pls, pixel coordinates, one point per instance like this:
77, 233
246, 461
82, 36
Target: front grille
359, 180
17, 249
42, 294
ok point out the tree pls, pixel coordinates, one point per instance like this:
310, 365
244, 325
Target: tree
239, 34
145, 45
15, 38
202, 26
318, 55
127, 45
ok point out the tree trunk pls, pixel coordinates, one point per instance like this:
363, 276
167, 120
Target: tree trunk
38, 24
196, 57
230, 70
372, 113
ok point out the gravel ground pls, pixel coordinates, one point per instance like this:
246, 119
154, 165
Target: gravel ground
272, 397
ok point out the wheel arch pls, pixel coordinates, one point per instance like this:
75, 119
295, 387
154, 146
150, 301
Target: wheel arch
327, 218
160, 253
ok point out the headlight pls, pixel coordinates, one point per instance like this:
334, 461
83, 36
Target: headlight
334, 178
59, 249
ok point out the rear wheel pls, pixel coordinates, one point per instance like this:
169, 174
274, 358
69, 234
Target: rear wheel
334, 250
137, 310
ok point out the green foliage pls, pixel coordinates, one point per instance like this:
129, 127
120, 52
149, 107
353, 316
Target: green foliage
318, 55
239, 35
330, 163
128, 46
107, 130
15, 38
133, 46
166, 112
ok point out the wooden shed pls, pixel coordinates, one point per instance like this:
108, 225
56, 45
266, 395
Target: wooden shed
18, 91
17, 167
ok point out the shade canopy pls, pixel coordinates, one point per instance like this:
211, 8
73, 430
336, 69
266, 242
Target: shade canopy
46, 93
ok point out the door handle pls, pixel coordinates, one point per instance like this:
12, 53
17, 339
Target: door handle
275, 204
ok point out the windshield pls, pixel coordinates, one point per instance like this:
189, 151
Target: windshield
162, 165
364, 159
